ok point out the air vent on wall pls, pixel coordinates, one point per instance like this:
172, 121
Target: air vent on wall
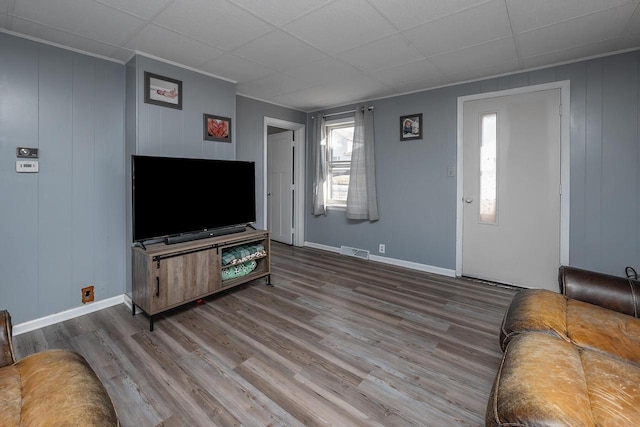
354, 252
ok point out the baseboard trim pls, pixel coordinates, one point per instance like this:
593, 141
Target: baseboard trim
72, 313
391, 261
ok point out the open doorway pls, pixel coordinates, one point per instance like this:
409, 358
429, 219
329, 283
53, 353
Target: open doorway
284, 176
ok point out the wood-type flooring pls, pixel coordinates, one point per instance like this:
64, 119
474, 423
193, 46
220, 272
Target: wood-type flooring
338, 341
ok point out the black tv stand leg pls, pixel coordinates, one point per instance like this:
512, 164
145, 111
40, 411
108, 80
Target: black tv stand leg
269, 281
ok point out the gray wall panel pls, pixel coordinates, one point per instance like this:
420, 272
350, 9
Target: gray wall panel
18, 192
250, 138
417, 201
71, 106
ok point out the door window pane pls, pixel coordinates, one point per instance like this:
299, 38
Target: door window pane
488, 169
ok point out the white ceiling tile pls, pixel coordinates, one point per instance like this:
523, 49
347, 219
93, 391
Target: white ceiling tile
402, 75
527, 14
278, 50
85, 18
312, 99
216, 22
410, 13
235, 68
464, 74
341, 25
166, 44
282, 12
394, 50
583, 51
576, 32
4, 6
477, 57
433, 81
145, 9
122, 54
634, 24
480, 24
271, 85
60, 37
324, 71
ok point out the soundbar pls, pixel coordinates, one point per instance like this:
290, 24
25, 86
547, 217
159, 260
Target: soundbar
188, 237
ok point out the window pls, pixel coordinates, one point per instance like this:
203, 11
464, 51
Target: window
488, 169
339, 146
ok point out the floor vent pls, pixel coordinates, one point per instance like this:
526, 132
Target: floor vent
354, 252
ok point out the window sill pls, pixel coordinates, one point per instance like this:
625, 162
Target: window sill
336, 207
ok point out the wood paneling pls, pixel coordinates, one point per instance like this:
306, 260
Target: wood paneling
338, 341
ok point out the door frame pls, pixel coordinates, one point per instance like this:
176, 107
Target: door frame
565, 161
299, 134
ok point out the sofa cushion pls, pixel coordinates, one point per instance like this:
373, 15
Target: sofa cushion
581, 323
10, 396
59, 386
544, 380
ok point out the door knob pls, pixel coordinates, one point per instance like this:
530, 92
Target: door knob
468, 200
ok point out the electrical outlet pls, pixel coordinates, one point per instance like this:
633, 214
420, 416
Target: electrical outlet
87, 294
381, 248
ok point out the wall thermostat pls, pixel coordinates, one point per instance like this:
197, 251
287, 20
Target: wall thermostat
28, 166
27, 152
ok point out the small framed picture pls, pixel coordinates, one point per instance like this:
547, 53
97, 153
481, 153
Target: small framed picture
216, 128
411, 127
162, 91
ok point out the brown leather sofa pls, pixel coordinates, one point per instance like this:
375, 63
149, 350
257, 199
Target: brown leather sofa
570, 358
50, 388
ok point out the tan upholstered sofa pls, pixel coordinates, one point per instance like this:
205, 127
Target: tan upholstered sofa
568, 362
50, 388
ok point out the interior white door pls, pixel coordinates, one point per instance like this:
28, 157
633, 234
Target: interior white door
511, 189
280, 158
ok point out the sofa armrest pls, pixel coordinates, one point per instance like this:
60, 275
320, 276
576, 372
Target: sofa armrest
612, 292
7, 356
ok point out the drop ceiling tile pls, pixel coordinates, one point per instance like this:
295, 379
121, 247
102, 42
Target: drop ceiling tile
341, 25
462, 74
311, 99
402, 75
4, 6
576, 32
429, 83
166, 44
215, 22
394, 50
123, 55
411, 13
324, 71
571, 54
477, 57
144, 9
480, 24
60, 37
85, 18
634, 24
527, 15
271, 85
235, 68
283, 12
278, 50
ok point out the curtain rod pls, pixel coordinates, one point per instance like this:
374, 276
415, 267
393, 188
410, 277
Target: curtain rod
345, 112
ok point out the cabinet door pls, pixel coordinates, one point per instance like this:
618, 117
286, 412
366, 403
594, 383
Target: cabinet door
183, 278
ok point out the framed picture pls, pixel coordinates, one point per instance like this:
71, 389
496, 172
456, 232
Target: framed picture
411, 127
216, 128
162, 91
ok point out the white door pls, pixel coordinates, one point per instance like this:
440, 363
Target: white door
511, 189
280, 157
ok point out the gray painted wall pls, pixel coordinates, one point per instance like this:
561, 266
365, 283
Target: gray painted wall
63, 228
154, 130
417, 201
250, 145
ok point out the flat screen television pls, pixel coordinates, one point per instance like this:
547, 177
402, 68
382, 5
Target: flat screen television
190, 197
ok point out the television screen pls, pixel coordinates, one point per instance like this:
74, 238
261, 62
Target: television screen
173, 196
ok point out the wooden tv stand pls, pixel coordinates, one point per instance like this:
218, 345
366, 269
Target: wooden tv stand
167, 276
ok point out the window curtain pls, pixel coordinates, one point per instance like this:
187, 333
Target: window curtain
362, 202
320, 166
